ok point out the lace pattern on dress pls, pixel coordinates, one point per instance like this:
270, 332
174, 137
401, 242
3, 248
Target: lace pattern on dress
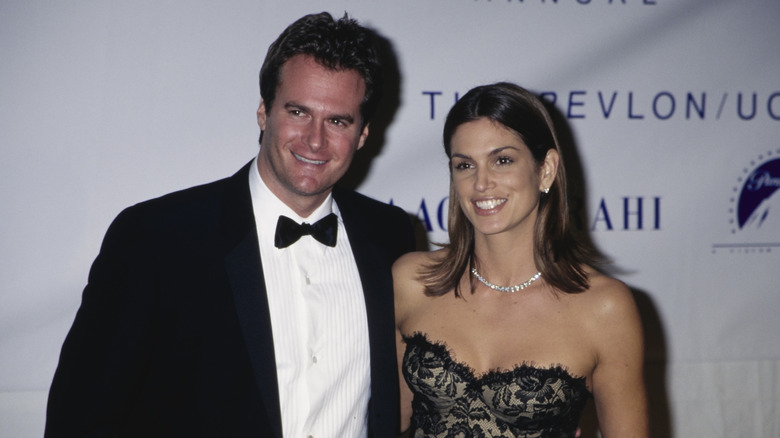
451, 401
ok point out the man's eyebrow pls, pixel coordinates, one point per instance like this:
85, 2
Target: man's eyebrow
348, 118
295, 105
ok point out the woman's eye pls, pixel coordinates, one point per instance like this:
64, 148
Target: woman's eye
504, 161
462, 165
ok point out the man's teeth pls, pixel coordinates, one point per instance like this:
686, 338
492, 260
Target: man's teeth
306, 160
489, 204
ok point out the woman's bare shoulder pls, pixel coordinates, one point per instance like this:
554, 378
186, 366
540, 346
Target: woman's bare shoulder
609, 314
408, 284
410, 265
609, 299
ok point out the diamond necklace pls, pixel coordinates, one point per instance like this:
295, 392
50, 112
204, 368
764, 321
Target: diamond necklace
514, 288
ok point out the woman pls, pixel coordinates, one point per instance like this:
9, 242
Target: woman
508, 330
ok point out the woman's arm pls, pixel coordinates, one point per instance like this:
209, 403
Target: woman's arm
618, 382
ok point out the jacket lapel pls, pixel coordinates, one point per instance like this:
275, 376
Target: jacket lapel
374, 266
245, 273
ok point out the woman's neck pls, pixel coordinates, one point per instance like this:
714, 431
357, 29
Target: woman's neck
505, 259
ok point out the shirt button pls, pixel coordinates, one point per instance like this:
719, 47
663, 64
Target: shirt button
314, 360
308, 283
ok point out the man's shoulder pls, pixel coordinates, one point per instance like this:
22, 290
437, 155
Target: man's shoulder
198, 204
386, 225
202, 194
355, 200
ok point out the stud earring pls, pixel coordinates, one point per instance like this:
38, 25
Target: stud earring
546, 190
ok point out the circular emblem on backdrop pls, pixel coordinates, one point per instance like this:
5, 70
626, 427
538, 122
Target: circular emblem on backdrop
754, 215
758, 199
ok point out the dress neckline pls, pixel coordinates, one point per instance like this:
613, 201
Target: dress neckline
498, 375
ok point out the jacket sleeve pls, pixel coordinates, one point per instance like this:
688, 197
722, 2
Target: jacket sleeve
107, 349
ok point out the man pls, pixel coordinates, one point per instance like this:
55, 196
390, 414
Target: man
201, 317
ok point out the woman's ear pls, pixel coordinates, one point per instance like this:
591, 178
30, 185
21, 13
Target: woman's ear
548, 170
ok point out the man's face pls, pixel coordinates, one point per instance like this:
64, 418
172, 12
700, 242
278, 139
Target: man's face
311, 132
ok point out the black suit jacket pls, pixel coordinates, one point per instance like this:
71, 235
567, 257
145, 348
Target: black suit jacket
173, 336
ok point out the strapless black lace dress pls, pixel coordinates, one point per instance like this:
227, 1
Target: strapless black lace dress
450, 401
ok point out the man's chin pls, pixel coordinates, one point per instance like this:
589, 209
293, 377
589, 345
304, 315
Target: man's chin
312, 190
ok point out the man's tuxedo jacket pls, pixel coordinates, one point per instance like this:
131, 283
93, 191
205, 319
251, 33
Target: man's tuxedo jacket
173, 336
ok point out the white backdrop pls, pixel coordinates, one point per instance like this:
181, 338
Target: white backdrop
672, 110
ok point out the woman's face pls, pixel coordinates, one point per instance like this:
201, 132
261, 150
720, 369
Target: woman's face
497, 181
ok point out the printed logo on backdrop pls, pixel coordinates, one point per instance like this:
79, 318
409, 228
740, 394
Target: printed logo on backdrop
625, 213
643, 105
754, 213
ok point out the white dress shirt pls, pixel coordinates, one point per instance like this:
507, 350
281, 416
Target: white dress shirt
318, 318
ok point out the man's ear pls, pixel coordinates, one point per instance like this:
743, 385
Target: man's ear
261, 116
363, 137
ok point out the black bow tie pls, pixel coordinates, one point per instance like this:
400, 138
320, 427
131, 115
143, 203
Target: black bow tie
288, 231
